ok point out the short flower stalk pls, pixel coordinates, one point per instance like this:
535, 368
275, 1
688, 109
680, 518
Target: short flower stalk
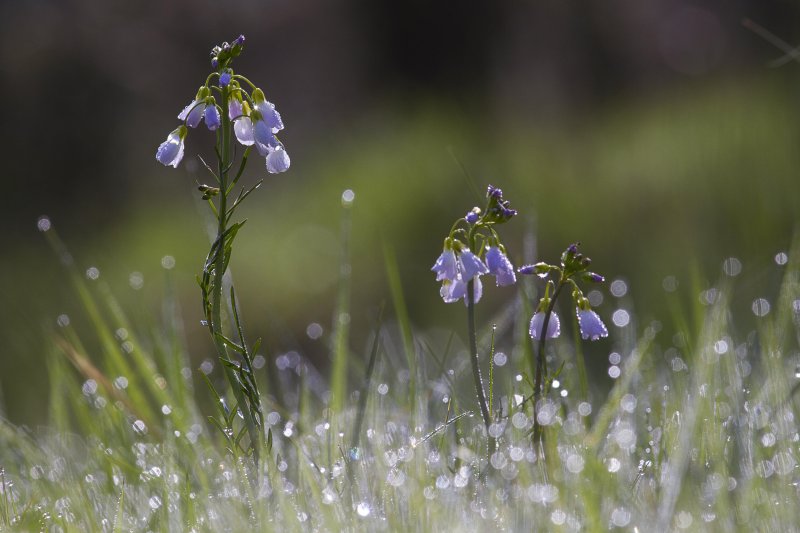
234, 114
545, 323
473, 249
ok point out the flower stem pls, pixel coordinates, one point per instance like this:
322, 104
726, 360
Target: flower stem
215, 323
476, 367
541, 364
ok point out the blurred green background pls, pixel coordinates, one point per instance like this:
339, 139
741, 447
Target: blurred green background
656, 133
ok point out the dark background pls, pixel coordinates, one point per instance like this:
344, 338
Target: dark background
658, 133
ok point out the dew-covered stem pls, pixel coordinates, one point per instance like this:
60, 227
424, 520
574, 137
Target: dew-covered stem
541, 364
476, 367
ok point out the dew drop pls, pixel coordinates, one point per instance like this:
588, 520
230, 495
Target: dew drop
314, 331
347, 198
500, 359
620, 318
781, 258
136, 280
363, 509
383, 388
43, 224
732, 267
618, 288
168, 262
761, 307
92, 273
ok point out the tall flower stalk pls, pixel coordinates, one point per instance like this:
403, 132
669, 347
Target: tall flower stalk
472, 249
234, 108
545, 323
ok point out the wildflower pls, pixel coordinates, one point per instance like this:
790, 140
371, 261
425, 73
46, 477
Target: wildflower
224, 79
242, 125
500, 267
473, 216
456, 290
553, 326
212, 116
591, 326
268, 112
193, 113
278, 161
446, 267
262, 134
170, 152
470, 265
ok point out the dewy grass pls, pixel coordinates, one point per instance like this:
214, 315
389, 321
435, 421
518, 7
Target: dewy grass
699, 431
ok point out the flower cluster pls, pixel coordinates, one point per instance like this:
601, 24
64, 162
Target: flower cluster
473, 249
573, 265
255, 120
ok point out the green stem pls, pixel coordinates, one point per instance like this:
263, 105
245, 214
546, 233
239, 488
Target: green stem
219, 274
541, 364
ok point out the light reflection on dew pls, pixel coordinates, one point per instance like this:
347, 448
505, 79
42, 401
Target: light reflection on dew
363, 509
63, 321
614, 372
92, 273
314, 331
781, 258
620, 318
618, 288
595, 297
500, 359
761, 307
168, 262
558, 517
206, 366
139, 427
43, 224
732, 267
670, 284
620, 517
347, 197
383, 389
614, 358
136, 280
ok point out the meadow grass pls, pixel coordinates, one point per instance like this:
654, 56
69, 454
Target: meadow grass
698, 432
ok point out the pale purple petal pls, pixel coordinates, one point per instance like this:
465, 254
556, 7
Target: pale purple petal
500, 267
170, 152
193, 113
477, 290
270, 115
278, 161
446, 292
553, 326
235, 109
471, 265
212, 117
591, 326
446, 266
264, 138
243, 129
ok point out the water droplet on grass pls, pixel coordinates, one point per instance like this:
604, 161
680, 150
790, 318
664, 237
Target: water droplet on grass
363, 509
500, 359
168, 262
732, 267
761, 307
781, 258
618, 288
620, 318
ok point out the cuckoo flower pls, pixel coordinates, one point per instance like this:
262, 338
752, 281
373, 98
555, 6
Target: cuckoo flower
500, 267
170, 152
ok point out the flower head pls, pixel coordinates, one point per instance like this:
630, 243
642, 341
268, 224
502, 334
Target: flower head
553, 326
500, 267
591, 326
170, 152
224, 79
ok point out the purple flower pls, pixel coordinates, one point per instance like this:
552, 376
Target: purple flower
591, 326
268, 112
242, 125
471, 265
239, 41
446, 267
473, 216
278, 161
224, 79
494, 192
453, 291
212, 117
264, 138
170, 152
500, 267
553, 326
